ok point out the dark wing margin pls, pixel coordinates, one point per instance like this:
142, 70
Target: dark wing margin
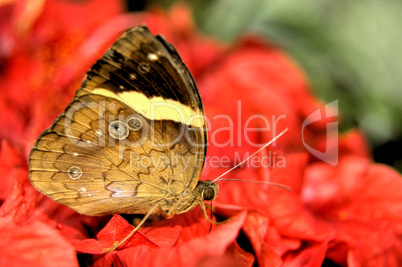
139, 61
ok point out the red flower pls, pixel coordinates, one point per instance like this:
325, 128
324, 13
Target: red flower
349, 214
362, 201
35, 244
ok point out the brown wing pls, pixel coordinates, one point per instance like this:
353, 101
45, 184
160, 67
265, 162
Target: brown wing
133, 135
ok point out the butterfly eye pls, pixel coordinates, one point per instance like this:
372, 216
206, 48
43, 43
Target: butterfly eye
118, 130
208, 193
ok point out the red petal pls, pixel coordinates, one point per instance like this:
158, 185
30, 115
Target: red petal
20, 204
367, 245
363, 202
13, 168
280, 244
292, 220
267, 243
351, 191
193, 225
309, 255
115, 231
287, 212
164, 234
239, 256
26, 204
34, 245
185, 254
256, 79
354, 143
72, 18
263, 197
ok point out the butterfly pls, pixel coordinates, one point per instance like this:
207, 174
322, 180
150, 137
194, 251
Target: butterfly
133, 139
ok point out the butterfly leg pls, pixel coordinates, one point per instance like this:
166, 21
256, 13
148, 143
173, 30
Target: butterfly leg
133, 231
210, 220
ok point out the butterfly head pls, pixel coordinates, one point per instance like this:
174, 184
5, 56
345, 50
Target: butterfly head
208, 190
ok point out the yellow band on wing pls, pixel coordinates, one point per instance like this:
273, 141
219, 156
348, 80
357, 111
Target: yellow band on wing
157, 108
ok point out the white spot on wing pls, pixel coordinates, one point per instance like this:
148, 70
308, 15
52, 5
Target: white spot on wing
119, 192
74, 172
98, 132
134, 123
152, 56
118, 130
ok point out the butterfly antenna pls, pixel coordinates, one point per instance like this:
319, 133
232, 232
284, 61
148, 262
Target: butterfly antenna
252, 155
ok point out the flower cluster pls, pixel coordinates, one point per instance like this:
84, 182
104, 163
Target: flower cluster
347, 214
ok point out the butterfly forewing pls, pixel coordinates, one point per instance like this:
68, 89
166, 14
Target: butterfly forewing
133, 135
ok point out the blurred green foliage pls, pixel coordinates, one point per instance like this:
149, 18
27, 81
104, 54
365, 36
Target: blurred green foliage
350, 50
